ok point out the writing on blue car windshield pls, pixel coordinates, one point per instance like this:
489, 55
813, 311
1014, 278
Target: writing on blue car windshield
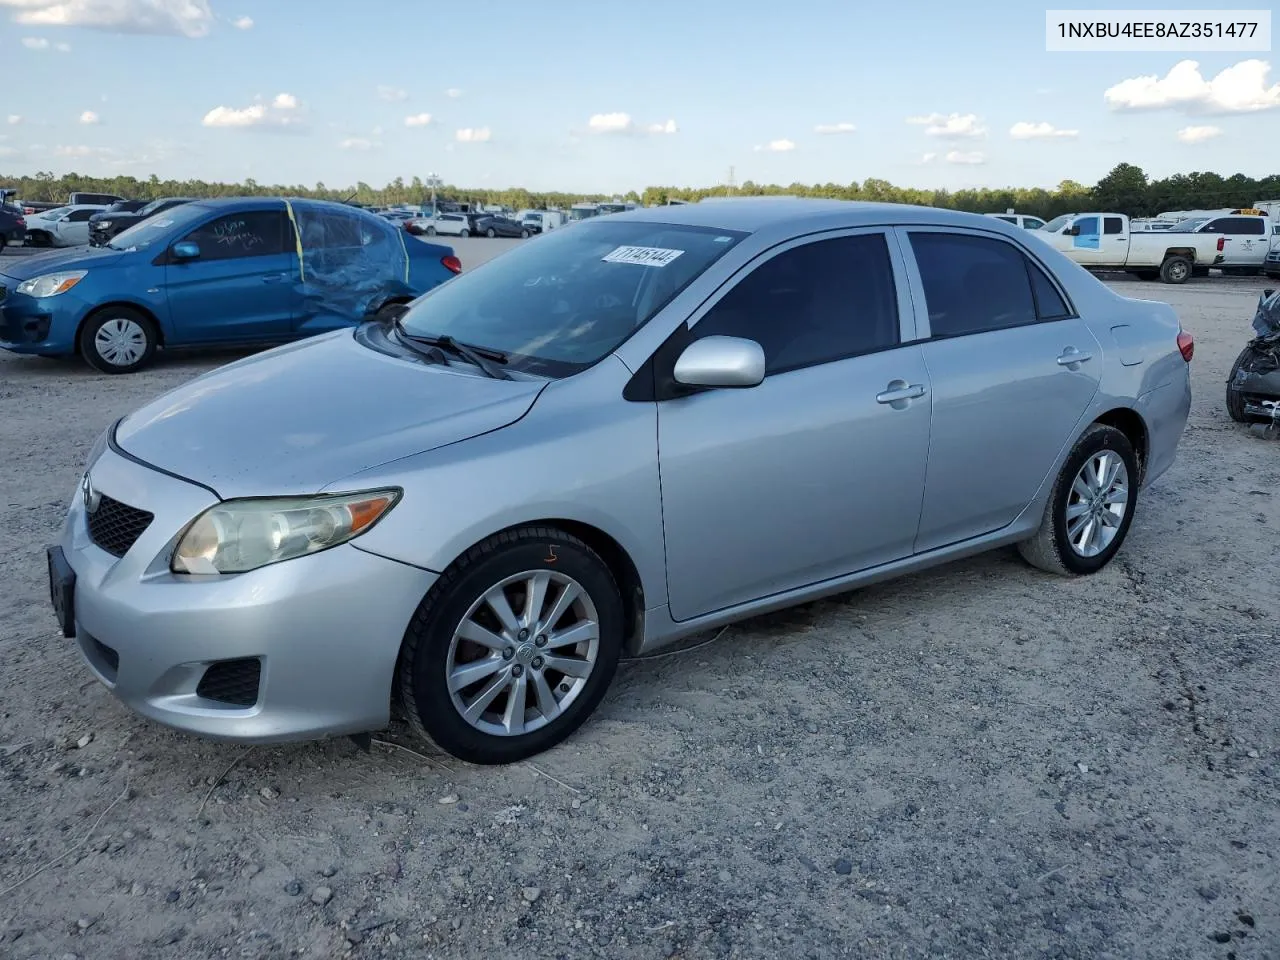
558, 304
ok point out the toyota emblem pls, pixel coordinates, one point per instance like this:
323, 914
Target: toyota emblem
89, 496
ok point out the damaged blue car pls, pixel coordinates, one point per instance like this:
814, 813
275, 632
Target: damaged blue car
222, 272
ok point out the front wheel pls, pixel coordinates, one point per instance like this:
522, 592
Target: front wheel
118, 340
524, 234
1090, 508
1176, 270
431, 231
1235, 399
513, 648
465, 233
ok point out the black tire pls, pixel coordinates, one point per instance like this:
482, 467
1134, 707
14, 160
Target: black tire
3, 242
421, 674
491, 233
1049, 549
1176, 270
1235, 400
431, 231
89, 345
524, 234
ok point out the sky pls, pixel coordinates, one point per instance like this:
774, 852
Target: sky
599, 96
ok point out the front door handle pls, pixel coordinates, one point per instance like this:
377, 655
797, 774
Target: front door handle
1071, 356
899, 390
273, 277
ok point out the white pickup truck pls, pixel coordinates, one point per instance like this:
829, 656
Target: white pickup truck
1104, 241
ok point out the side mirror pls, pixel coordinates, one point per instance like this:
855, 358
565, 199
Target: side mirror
721, 362
186, 250
1071, 231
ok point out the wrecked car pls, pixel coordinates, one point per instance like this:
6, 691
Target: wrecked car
1253, 387
217, 272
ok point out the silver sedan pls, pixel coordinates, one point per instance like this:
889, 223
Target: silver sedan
598, 443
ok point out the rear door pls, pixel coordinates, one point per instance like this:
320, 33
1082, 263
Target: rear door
73, 229
1013, 370
242, 286
1244, 240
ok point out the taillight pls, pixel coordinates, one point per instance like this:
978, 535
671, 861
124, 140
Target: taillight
1222, 244
22, 222
452, 264
1186, 345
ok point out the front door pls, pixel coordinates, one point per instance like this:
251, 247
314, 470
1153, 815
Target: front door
819, 470
1013, 371
1086, 245
243, 285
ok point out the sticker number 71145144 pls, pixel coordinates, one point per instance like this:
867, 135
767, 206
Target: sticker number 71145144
643, 256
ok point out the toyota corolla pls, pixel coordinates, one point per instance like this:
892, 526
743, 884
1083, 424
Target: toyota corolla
597, 443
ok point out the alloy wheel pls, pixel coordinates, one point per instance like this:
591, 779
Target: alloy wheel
1097, 503
510, 673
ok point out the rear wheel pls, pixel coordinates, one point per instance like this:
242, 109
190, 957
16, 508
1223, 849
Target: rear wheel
513, 647
465, 233
1235, 399
1176, 270
1090, 508
524, 234
118, 340
431, 231
491, 233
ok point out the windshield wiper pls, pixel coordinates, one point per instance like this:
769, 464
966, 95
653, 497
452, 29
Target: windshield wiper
486, 359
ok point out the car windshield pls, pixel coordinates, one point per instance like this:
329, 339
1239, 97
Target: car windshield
151, 208
560, 304
1056, 224
153, 230
1188, 226
55, 213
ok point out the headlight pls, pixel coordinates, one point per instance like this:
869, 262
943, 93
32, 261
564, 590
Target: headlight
241, 535
51, 284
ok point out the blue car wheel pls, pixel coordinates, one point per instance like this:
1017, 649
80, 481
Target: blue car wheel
118, 340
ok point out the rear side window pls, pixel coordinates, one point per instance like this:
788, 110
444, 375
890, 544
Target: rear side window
1253, 226
813, 304
80, 216
973, 284
1049, 302
1113, 225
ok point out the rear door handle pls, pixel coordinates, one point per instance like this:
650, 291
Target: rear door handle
273, 278
898, 390
1072, 356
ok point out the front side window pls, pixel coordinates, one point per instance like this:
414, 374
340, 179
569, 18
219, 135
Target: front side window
973, 284
558, 306
1088, 226
814, 303
254, 233
80, 216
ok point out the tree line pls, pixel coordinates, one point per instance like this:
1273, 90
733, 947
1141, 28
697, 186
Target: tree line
1126, 189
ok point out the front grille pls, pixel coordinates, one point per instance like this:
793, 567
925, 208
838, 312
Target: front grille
234, 682
116, 526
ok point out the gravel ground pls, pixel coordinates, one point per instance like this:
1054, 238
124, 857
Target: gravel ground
979, 761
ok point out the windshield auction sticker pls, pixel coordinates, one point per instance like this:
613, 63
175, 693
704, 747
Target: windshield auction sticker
1153, 31
642, 256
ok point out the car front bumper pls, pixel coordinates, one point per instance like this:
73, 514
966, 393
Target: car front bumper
46, 326
319, 635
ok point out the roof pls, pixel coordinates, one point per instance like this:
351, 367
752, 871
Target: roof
266, 203
751, 214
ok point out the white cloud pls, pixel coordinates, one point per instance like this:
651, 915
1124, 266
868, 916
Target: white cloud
76, 151
359, 143
453, 93
15, 119
1022, 130
283, 111
776, 146
418, 120
624, 123
928, 158
185, 18
392, 94
951, 126
88, 117
830, 128
1198, 134
472, 135
243, 23
969, 157
610, 123
35, 43
8, 151
1241, 88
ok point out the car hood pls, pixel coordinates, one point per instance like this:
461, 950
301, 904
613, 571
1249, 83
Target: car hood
110, 217
76, 258
297, 418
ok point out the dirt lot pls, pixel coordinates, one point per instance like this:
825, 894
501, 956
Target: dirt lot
981, 761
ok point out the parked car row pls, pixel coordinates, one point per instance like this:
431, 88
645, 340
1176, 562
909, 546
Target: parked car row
470, 225
213, 272
121, 216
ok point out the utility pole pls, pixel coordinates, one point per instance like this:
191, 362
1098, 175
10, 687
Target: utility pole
732, 184
433, 181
